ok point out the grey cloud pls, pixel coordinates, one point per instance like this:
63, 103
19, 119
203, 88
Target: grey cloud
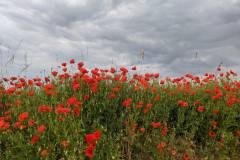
170, 32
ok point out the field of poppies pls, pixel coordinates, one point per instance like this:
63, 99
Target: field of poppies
120, 114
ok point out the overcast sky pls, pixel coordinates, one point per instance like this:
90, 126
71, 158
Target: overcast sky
102, 32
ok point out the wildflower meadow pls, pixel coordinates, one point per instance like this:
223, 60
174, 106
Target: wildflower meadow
120, 114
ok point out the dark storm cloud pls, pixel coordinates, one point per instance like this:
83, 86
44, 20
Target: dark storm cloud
99, 32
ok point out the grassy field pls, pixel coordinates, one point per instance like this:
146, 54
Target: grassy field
112, 114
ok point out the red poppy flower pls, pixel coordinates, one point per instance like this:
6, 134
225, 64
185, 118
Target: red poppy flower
4, 125
80, 64
72, 61
54, 73
127, 102
162, 82
39, 84
148, 107
64, 64
72, 101
8, 104
156, 75
182, 103
75, 86
233, 72
92, 138
44, 108
30, 93
23, 116
212, 134
164, 131
155, 124
64, 69
86, 97
157, 98
7, 112
197, 102
41, 128
142, 130
94, 88
30, 82
31, 122
111, 96
7, 118
89, 151
161, 146
200, 108
124, 70
112, 70
61, 110
47, 79
17, 102
83, 70
48, 87
185, 156
76, 112
35, 139
11, 90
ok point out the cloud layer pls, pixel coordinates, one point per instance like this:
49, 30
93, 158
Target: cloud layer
171, 32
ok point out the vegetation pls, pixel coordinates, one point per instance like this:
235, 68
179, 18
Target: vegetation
109, 114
